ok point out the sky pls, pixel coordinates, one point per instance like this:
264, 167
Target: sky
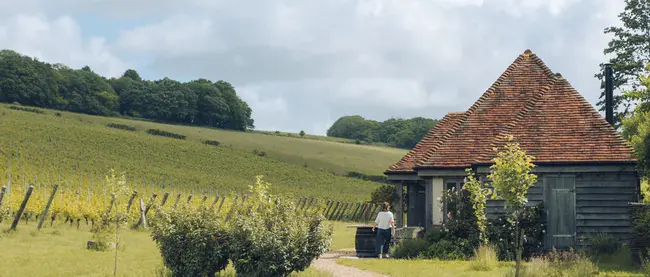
302, 64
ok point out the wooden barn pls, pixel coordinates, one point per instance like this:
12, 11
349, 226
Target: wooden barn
586, 170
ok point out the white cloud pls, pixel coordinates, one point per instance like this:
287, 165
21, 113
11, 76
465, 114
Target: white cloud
58, 40
302, 64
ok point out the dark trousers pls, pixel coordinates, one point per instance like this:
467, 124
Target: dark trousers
383, 240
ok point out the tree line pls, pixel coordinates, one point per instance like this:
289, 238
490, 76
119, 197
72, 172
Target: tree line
28, 81
397, 132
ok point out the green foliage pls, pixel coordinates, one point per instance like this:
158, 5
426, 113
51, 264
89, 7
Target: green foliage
302, 133
409, 248
192, 242
640, 230
645, 265
636, 128
458, 249
402, 133
200, 102
485, 258
161, 133
604, 243
25, 109
121, 126
384, 193
479, 195
630, 51
211, 142
271, 238
501, 233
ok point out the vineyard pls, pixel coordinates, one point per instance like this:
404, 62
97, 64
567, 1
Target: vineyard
77, 206
43, 149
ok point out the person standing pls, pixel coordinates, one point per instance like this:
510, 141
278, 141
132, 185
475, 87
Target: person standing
385, 224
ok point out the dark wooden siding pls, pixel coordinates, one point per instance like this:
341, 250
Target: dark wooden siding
601, 203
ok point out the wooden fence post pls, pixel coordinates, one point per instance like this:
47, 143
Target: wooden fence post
334, 210
205, 197
22, 208
355, 210
327, 206
2, 194
311, 201
146, 211
130, 203
359, 214
214, 203
189, 198
142, 214
178, 198
303, 204
223, 199
365, 217
342, 213
47, 208
297, 204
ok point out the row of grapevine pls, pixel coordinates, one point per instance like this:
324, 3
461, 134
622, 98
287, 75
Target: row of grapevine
75, 207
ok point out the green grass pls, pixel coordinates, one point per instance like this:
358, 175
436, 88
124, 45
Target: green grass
331, 154
74, 148
343, 236
60, 251
437, 268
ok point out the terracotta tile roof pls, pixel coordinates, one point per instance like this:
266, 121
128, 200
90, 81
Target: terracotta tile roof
549, 118
434, 135
562, 126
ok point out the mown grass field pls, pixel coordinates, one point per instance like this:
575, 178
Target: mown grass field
60, 251
72, 148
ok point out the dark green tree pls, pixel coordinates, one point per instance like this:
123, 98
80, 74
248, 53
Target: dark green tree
630, 49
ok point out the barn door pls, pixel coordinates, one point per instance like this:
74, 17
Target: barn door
561, 211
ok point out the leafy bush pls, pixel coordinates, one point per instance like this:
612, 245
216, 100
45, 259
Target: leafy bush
121, 126
31, 110
157, 132
460, 227
449, 250
211, 142
410, 248
384, 193
485, 259
501, 233
192, 242
272, 238
645, 266
641, 229
604, 243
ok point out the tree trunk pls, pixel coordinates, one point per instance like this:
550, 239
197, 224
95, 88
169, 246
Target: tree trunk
518, 250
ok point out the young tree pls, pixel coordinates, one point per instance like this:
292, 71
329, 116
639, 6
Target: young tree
302, 133
511, 179
636, 128
630, 49
479, 195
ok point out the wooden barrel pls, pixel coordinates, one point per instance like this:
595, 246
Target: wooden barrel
364, 242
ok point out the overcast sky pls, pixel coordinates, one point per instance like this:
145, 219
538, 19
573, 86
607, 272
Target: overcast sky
302, 64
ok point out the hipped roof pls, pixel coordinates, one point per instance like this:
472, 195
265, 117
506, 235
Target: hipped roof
548, 118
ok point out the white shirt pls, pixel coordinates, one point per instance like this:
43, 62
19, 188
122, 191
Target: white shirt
384, 220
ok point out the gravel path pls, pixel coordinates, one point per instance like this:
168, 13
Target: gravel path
327, 263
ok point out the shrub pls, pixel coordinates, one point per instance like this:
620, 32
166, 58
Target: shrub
192, 242
384, 193
449, 250
121, 126
211, 142
25, 109
410, 248
501, 233
460, 227
157, 132
302, 133
259, 153
485, 259
604, 243
645, 266
272, 238
641, 229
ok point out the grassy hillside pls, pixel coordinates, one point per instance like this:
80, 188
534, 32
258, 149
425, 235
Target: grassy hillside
71, 148
314, 151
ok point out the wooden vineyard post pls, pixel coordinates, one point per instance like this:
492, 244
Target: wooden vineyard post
22, 208
146, 210
303, 204
365, 217
130, 203
298, 203
142, 214
232, 209
359, 215
162, 203
327, 207
214, 203
354, 211
221, 203
47, 208
178, 198
189, 198
2, 194
334, 210
311, 201
205, 197
342, 212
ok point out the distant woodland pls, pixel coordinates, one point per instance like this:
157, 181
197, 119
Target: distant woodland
397, 132
27, 81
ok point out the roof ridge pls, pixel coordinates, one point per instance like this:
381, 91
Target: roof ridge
522, 57
419, 145
524, 110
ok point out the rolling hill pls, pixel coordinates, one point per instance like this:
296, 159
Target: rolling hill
64, 147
